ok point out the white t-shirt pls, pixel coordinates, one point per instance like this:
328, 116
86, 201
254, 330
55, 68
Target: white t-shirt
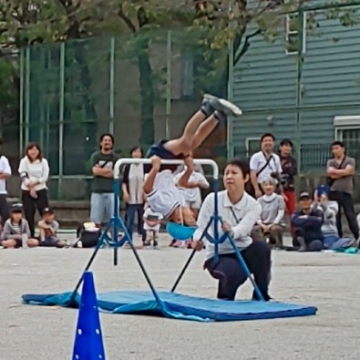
165, 197
241, 216
36, 171
193, 194
5, 169
155, 215
258, 161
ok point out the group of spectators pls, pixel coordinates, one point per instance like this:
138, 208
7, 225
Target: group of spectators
272, 183
316, 225
18, 221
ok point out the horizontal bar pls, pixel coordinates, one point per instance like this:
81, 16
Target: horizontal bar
122, 162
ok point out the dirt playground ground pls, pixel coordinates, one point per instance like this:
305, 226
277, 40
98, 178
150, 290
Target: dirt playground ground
327, 281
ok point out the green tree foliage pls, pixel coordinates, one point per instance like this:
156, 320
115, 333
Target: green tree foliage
207, 27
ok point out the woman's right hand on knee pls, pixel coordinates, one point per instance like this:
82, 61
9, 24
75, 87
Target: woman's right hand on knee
197, 245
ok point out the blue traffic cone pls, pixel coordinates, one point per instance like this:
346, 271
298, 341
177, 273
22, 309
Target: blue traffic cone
88, 338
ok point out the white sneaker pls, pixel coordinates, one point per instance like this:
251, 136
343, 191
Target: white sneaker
225, 106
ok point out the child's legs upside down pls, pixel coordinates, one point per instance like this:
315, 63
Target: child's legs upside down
195, 133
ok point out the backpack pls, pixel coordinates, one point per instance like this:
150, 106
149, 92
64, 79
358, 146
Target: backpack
88, 234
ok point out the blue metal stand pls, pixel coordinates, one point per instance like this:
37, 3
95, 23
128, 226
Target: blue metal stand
214, 221
114, 225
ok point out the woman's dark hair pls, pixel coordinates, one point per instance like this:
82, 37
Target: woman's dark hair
137, 148
243, 165
33, 145
109, 135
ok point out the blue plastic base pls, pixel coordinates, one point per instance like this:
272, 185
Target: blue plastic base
179, 306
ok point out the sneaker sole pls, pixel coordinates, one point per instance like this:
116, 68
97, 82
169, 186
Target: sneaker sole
223, 105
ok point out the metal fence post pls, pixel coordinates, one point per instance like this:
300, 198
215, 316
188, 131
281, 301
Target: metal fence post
61, 117
112, 85
300, 59
230, 88
168, 83
27, 94
21, 103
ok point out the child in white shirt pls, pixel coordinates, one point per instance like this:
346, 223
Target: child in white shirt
152, 221
162, 194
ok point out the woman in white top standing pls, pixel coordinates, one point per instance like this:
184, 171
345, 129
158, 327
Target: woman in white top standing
239, 212
34, 173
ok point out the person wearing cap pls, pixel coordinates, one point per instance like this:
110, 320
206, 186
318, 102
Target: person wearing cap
15, 229
49, 228
289, 171
307, 223
330, 209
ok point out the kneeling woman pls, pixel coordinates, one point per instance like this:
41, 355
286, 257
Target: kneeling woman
239, 212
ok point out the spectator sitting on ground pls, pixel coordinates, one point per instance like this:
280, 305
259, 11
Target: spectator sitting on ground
272, 213
329, 229
15, 228
307, 223
49, 229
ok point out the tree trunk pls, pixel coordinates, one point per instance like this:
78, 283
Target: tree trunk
147, 94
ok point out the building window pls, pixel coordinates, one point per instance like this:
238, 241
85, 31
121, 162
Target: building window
253, 145
294, 35
347, 130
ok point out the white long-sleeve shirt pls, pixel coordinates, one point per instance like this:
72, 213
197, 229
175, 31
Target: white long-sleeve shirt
31, 172
242, 218
4, 169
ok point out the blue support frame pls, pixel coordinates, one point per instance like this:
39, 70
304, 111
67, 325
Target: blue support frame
116, 223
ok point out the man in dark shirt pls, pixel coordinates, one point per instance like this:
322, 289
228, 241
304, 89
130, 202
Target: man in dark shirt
289, 171
307, 224
102, 197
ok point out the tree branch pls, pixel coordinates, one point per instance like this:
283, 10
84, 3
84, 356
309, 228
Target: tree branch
142, 17
126, 19
246, 45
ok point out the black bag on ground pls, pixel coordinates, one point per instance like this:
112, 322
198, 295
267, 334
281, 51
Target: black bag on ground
88, 234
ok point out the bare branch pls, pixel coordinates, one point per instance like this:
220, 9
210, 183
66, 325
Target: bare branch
126, 19
246, 45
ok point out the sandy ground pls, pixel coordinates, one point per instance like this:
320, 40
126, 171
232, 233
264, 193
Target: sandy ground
328, 281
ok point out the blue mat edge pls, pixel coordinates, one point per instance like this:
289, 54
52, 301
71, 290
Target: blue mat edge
181, 312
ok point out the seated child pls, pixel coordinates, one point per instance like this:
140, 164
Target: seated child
16, 229
159, 187
272, 213
329, 229
48, 230
152, 221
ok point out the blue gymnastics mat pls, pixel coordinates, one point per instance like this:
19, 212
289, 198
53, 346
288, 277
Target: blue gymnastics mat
177, 306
